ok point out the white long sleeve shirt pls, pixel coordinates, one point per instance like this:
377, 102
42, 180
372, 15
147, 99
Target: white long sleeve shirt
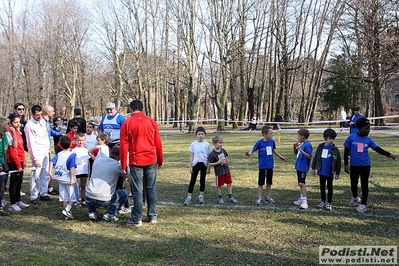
37, 139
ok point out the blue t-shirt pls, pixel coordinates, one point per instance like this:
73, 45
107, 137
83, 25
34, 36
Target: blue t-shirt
354, 118
358, 147
326, 161
265, 153
302, 163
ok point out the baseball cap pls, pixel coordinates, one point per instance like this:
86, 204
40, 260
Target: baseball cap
357, 108
110, 106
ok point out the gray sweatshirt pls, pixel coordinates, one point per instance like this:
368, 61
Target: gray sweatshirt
104, 177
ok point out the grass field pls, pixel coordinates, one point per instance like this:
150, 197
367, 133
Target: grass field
241, 234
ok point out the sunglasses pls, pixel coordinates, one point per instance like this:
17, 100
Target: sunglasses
20, 109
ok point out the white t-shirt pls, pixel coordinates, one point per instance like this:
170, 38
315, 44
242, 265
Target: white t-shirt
201, 151
82, 160
103, 151
91, 141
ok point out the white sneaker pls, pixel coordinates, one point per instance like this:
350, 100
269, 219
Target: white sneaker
354, 201
298, 202
258, 202
92, 216
67, 214
328, 207
232, 200
22, 204
321, 205
361, 208
201, 200
124, 210
220, 201
22, 193
270, 200
14, 208
304, 205
187, 201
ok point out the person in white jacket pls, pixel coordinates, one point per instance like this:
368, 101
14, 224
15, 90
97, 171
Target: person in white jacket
38, 145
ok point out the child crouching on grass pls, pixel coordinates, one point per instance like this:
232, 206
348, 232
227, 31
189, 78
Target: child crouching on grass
218, 159
64, 172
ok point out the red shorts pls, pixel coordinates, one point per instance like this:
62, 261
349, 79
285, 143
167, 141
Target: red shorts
223, 179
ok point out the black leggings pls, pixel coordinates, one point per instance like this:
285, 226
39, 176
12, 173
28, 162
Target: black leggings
364, 173
199, 167
15, 184
329, 180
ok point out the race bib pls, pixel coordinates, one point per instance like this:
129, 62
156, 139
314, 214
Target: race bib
324, 154
269, 150
360, 147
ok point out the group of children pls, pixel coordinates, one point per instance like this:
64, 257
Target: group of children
327, 162
72, 165
202, 157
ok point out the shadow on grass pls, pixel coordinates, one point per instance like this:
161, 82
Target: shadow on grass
39, 240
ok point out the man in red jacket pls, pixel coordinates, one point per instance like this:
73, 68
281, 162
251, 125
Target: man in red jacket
140, 139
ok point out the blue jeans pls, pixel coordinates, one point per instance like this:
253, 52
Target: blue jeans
146, 175
114, 205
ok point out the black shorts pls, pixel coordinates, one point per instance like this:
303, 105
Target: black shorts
265, 174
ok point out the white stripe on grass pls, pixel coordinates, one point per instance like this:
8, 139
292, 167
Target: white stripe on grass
279, 208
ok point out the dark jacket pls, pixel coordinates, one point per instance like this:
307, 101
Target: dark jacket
336, 159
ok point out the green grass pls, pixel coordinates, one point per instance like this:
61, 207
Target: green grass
211, 235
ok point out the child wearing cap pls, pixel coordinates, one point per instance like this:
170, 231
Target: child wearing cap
356, 147
355, 116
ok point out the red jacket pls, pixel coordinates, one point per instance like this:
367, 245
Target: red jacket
140, 139
16, 155
73, 141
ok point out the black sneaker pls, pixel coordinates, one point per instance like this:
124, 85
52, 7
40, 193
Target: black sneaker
36, 202
45, 198
2, 212
53, 192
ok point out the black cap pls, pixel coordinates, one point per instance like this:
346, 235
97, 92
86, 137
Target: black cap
362, 122
357, 108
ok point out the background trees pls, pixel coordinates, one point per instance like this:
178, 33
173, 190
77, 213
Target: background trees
201, 59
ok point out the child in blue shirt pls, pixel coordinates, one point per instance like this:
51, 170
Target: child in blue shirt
303, 151
356, 146
327, 162
266, 147
64, 172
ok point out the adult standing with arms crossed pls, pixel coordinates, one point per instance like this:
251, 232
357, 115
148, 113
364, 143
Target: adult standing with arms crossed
140, 139
38, 143
111, 124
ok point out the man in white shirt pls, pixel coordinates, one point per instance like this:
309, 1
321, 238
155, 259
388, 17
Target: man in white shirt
342, 117
38, 144
111, 124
